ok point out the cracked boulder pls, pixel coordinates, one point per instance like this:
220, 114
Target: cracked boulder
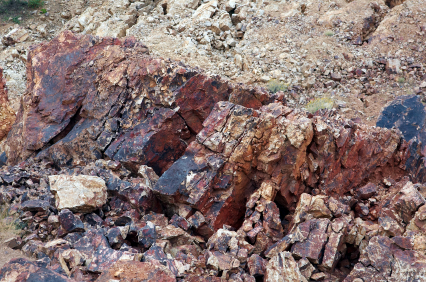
82, 193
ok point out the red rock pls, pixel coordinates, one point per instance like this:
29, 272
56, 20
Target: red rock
388, 262
157, 256
312, 247
367, 191
21, 270
256, 265
93, 105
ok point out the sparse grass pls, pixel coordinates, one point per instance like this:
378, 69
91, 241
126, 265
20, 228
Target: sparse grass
319, 104
275, 85
16, 20
401, 80
35, 3
329, 33
9, 224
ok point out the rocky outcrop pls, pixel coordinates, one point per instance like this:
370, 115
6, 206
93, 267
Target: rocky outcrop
133, 167
110, 99
241, 149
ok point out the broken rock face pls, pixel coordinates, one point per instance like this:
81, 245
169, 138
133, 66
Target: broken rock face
111, 99
240, 148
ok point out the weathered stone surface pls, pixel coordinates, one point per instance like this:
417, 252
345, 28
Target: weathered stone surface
387, 262
82, 193
201, 179
88, 108
7, 116
69, 222
313, 245
240, 148
256, 265
25, 270
129, 271
406, 113
367, 191
105, 257
35, 205
283, 268
16, 35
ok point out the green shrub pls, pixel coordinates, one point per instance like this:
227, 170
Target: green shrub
16, 20
329, 33
9, 7
275, 85
401, 80
35, 3
43, 11
319, 104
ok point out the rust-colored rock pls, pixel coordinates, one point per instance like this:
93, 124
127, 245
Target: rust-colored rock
109, 98
21, 270
240, 148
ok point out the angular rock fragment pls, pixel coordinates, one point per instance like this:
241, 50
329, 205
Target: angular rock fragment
82, 193
69, 222
16, 35
139, 111
283, 268
312, 247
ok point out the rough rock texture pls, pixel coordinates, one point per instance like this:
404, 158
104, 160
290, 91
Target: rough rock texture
128, 271
21, 270
283, 268
240, 148
200, 180
81, 193
16, 35
408, 114
7, 116
110, 99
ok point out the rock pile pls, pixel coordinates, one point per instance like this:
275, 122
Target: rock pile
123, 166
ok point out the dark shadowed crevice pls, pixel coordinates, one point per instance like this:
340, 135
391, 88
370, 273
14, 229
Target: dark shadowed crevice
393, 3
73, 121
164, 6
283, 213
